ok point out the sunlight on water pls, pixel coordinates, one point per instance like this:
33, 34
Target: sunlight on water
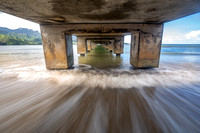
98, 95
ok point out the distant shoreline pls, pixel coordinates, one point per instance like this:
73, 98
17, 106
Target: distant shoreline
20, 36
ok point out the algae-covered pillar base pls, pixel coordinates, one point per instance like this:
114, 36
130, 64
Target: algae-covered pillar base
57, 46
146, 46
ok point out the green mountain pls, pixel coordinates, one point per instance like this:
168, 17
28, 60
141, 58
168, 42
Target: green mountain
21, 36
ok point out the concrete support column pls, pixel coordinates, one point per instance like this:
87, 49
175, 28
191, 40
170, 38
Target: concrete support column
105, 45
88, 45
119, 45
93, 44
81, 45
111, 46
108, 44
58, 49
145, 47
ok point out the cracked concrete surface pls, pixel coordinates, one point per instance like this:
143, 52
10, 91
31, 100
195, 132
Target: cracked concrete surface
100, 11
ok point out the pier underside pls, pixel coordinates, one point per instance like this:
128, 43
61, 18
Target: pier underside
144, 50
104, 22
99, 11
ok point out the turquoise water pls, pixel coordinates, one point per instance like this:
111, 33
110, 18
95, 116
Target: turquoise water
103, 93
183, 49
180, 53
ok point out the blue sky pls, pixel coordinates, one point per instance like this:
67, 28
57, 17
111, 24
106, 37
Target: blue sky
185, 30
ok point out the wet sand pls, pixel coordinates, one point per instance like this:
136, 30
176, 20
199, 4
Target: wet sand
88, 99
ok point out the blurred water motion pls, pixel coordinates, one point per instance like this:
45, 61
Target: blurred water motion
95, 98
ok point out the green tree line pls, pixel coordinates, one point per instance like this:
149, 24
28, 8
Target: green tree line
19, 37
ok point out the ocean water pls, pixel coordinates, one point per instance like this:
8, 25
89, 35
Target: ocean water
102, 94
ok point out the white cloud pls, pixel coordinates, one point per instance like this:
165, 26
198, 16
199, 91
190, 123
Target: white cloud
13, 22
193, 35
172, 39
175, 37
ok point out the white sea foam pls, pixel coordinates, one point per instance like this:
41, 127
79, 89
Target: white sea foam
107, 78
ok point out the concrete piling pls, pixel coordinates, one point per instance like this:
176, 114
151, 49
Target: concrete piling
144, 50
